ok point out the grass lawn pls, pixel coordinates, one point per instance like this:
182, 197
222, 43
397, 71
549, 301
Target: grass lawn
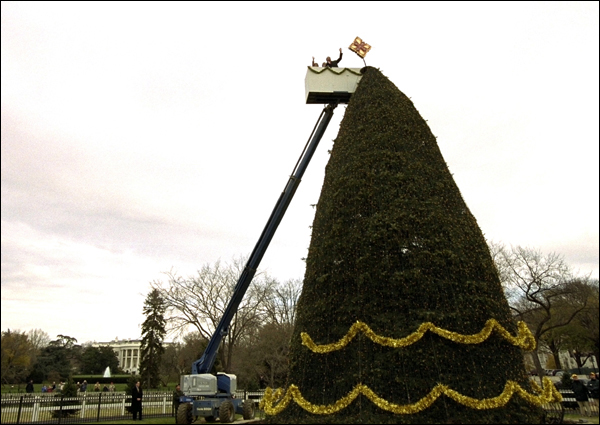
574, 418
164, 420
7, 389
145, 421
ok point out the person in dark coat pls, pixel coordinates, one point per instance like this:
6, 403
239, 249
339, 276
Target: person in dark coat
592, 386
136, 400
29, 387
334, 64
581, 395
176, 394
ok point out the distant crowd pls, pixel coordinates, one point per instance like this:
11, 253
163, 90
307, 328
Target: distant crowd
586, 394
81, 387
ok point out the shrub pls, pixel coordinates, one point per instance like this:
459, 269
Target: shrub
68, 406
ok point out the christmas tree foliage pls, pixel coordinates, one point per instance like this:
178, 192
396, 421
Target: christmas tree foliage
394, 246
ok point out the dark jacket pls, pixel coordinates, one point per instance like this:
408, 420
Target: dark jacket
136, 405
592, 387
580, 390
176, 395
334, 64
29, 387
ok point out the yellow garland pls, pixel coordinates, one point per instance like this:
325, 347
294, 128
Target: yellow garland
524, 338
274, 402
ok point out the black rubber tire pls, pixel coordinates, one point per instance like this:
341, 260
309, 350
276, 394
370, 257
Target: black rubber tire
184, 414
248, 409
226, 412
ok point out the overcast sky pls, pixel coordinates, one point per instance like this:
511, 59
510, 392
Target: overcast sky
143, 137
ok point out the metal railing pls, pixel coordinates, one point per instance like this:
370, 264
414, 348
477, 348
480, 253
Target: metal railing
570, 404
53, 408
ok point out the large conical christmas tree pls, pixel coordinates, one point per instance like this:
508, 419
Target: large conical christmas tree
394, 246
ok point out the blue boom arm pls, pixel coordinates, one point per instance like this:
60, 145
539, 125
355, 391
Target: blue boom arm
206, 362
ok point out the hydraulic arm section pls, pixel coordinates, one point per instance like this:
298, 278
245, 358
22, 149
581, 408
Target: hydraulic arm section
206, 362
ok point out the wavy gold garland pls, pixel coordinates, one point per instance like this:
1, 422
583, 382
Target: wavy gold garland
274, 402
524, 338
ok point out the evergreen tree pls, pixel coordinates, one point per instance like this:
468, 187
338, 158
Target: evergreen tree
95, 360
153, 333
394, 245
67, 399
60, 357
131, 381
69, 389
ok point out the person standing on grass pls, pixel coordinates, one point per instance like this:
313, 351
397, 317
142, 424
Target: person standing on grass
176, 394
581, 395
136, 401
29, 387
592, 387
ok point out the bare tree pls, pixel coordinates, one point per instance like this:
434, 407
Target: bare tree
38, 338
170, 370
580, 336
589, 320
266, 356
200, 301
282, 306
178, 357
271, 352
263, 359
192, 347
541, 290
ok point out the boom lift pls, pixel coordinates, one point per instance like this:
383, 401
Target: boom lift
213, 396
210, 396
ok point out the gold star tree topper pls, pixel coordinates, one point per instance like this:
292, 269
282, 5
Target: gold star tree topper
360, 47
